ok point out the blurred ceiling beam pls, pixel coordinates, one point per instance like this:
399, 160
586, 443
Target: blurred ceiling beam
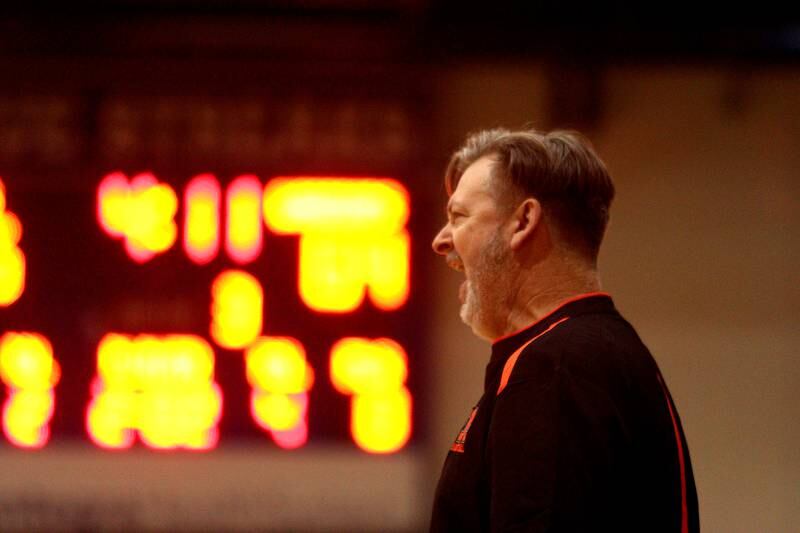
412, 30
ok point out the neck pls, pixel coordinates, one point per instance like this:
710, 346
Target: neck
544, 289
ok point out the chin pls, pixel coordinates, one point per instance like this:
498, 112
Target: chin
469, 317
466, 314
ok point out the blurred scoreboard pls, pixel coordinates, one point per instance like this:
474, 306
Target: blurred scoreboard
185, 270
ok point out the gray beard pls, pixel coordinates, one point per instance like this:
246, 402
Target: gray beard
486, 290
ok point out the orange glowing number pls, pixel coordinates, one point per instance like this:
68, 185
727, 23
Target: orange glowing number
30, 372
374, 373
236, 309
142, 212
280, 379
201, 223
12, 260
352, 238
243, 234
161, 387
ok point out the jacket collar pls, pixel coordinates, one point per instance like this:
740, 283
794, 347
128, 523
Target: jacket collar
503, 347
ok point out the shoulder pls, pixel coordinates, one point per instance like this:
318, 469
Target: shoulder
601, 349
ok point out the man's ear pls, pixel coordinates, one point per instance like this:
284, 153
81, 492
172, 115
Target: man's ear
524, 221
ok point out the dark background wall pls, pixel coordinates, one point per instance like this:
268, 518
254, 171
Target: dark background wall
695, 110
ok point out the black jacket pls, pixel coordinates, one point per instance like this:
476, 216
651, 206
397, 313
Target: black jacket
576, 431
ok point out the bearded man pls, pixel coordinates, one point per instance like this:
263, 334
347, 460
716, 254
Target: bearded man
576, 429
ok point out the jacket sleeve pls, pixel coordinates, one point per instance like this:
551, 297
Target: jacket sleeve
550, 453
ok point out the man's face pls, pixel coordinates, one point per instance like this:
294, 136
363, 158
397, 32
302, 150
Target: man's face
472, 243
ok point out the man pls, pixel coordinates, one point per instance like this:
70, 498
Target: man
576, 430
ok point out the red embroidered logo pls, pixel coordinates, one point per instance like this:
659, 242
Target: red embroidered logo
458, 445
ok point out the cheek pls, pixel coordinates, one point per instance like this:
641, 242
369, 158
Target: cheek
465, 254
463, 240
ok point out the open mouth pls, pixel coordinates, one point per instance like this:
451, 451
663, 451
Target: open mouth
454, 262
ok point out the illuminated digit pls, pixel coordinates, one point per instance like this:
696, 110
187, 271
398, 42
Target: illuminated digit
280, 379
374, 373
201, 224
141, 212
244, 235
161, 387
12, 260
30, 372
112, 203
237, 309
352, 239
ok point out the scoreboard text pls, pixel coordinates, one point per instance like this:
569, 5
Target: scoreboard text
160, 388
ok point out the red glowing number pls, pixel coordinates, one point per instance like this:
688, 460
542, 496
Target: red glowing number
30, 372
352, 239
374, 372
280, 379
236, 309
141, 212
201, 223
12, 260
159, 387
243, 232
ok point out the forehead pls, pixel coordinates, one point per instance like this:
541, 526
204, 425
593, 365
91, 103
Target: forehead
475, 182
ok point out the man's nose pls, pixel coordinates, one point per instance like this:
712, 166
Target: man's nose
443, 242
